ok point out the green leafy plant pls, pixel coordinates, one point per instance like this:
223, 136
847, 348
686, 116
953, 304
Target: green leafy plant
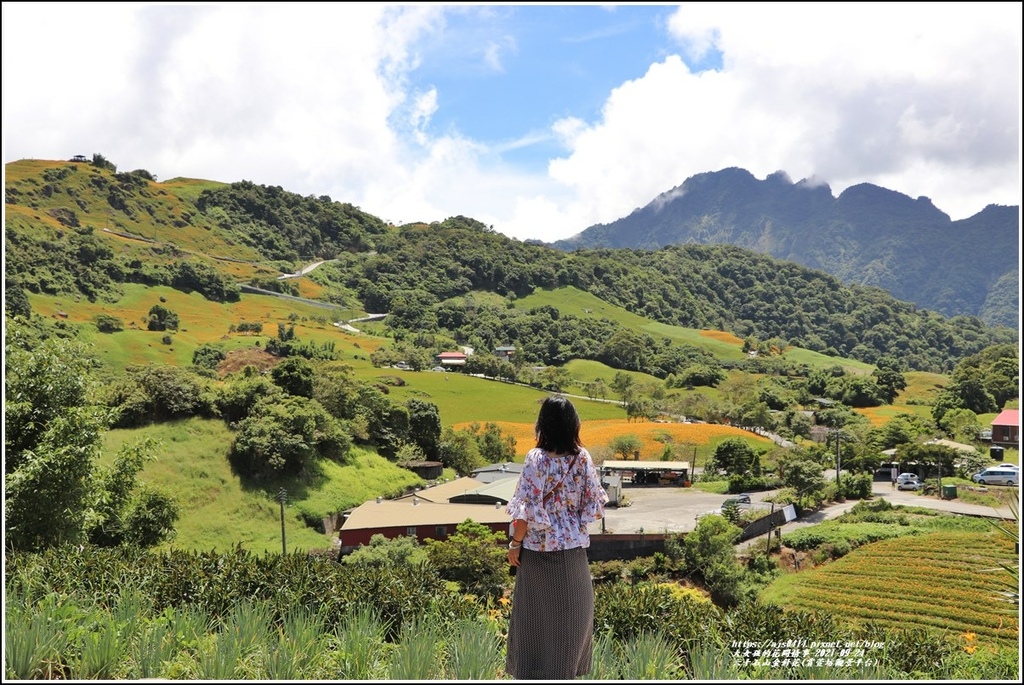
474, 651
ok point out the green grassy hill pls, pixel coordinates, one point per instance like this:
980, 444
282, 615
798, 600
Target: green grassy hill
61, 216
725, 346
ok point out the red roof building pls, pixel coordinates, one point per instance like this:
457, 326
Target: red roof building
1006, 428
451, 358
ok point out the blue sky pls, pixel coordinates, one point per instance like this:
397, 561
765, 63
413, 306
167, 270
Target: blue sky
539, 120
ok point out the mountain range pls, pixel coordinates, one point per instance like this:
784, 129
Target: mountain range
868, 235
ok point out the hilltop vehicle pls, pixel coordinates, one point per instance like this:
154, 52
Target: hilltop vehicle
998, 475
742, 502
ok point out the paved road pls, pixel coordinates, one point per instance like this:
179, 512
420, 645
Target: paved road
659, 509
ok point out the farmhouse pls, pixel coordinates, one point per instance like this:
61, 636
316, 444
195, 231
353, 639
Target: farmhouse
451, 359
1006, 428
505, 352
416, 517
437, 511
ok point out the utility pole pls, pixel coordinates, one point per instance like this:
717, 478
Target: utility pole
839, 462
771, 525
282, 495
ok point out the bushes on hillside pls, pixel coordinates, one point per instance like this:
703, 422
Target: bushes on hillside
157, 393
108, 323
286, 437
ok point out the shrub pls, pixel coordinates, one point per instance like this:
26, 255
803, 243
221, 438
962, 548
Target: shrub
607, 571
107, 323
286, 437
161, 318
857, 486
208, 356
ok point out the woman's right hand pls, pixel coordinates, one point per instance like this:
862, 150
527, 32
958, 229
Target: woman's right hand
513, 556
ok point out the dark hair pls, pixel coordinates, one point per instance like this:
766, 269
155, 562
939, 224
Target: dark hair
558, 426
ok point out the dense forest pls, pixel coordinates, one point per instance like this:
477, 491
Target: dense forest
417, 273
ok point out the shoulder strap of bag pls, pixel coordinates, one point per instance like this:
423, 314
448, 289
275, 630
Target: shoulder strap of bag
553, 490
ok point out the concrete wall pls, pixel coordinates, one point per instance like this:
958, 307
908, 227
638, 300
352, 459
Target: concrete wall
625, 547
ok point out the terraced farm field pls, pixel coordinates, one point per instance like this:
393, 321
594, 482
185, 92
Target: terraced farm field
951, 582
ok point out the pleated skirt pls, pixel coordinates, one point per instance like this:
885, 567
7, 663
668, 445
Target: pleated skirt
551, 628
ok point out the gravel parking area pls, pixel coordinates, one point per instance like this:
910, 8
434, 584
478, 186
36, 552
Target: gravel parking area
663, 509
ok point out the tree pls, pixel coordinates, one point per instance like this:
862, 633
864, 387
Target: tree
888, 378
640, 408
458, 450
235, 400
424, 426
102, 162
286, 437
709, 551
295, 376
966, 390
625, 445
383, 553
473, 556
125, 511
935, 457
15, 300
54, 493
495, 447
900, 429
161, 318
52, 437
387, 424
156, 393
623, 383
960, 423
704, 374
208, 356
107, 323
806, 478
734, 456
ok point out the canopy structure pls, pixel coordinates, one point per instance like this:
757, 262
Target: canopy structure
648, 472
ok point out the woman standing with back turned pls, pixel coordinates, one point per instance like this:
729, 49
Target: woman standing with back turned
551, 629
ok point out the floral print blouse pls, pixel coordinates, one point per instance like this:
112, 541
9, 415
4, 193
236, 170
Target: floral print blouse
562, 522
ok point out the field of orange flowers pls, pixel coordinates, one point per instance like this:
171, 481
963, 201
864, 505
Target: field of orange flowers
597, 436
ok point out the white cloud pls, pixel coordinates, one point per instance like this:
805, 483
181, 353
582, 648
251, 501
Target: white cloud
925, 103
316, 98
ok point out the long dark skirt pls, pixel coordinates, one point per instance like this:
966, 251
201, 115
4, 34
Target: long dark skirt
551, 629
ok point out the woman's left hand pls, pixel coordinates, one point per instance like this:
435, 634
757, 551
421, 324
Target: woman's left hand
513, 556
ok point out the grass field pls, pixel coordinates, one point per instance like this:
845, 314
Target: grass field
725, 346
219, 510
463, 399
949, 581
200, 321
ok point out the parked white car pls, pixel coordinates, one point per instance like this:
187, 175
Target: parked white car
908, 481
997, 475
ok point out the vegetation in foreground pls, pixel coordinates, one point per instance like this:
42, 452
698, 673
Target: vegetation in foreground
397, 610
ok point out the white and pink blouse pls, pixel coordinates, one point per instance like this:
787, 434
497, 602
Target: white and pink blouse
561, 522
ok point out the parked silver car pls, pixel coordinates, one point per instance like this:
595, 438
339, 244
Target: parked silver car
908, 481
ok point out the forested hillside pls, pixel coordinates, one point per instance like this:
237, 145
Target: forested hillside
85, 228
868, 236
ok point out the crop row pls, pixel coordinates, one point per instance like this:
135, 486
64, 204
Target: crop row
908, 574
903, 594
953, 620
